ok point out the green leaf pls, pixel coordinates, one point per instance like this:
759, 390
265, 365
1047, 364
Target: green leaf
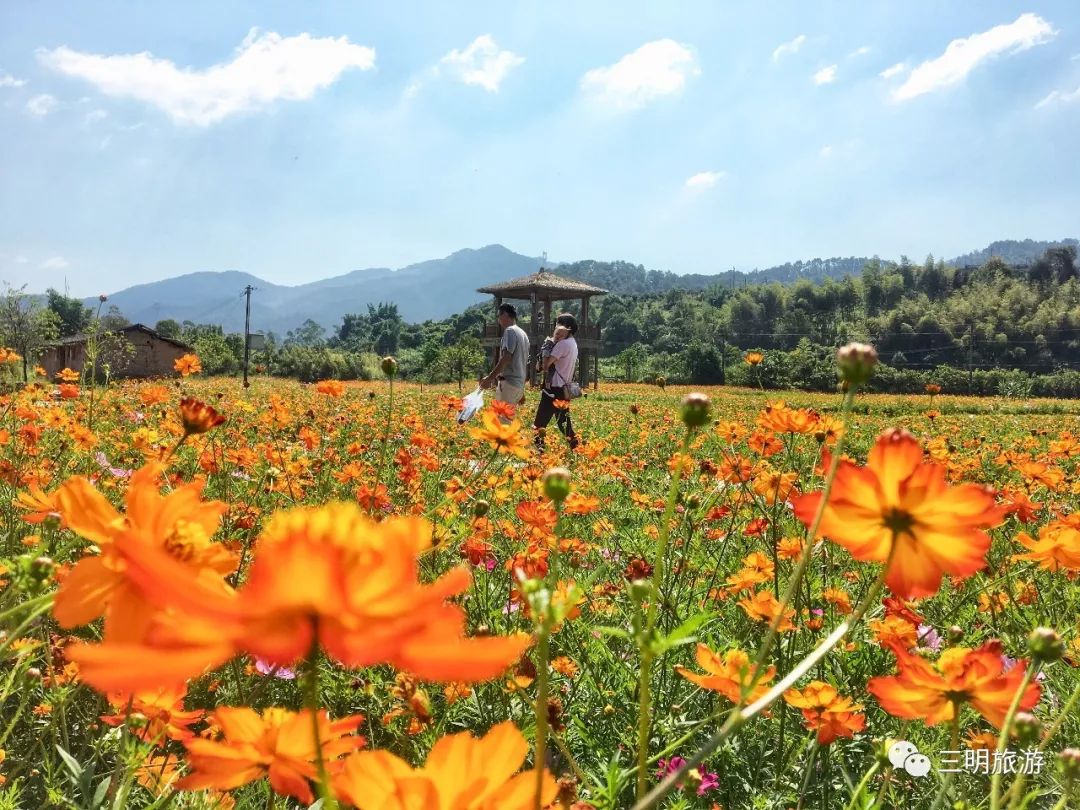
71, 763
613, 631
683, 634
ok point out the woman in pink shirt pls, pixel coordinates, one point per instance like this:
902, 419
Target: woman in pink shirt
558, 370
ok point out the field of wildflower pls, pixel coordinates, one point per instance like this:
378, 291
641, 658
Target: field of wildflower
337, 595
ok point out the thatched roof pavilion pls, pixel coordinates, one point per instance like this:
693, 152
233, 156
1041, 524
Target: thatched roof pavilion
541, 289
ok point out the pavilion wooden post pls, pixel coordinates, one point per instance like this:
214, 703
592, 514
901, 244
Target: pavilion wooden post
495, 351
585, 354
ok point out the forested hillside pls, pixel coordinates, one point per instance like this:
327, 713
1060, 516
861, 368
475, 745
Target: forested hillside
919, 317
978, 329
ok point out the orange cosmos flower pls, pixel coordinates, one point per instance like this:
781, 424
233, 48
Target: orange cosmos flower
331, 388
506, 410
896, 498
461, 773
934, 693
320, 574
67, 375
504, 438
36, 505
159, 714
1058, 546
153, 395
893, 632
839, 599
779, 418
1036, 472
279, 743
198, 417
728, 674
577, 504
764, 606
826, 712
68, 391
188, 364
754, 358
179, 525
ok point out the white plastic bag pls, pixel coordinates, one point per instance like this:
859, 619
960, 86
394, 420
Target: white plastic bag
470, 405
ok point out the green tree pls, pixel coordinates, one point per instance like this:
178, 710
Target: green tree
74, 316
25, 326
462, 359
168, 328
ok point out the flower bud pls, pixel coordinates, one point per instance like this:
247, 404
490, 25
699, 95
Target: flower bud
856, 362
1069, 762
693, 501
34, 674
41, 568
480, 508
609, 710
640, 591
557, 484
1026, 728
695, 410
389, 366
1045, 645
956, 634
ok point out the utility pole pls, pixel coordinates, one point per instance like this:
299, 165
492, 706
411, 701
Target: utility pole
971, 347
247, 332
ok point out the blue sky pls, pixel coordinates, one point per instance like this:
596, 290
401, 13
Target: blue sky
297, 141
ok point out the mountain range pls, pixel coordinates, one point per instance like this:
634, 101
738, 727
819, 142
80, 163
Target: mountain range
442, 287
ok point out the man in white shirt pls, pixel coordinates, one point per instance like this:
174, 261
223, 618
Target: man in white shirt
508, 376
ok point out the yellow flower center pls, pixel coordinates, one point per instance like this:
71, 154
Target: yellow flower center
898, 521
186, 540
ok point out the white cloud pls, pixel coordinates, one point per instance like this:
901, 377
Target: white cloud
41, 105
265, 68
827, 75
482, 63
7, 80
825, 151
1058, 97
961, 56
703, 180
55, 263
654, 70
94, 116
863, 51
895, 70
789, 47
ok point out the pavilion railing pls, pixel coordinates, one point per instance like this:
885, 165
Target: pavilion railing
589, 332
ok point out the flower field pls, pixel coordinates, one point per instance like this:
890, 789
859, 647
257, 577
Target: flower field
218, 597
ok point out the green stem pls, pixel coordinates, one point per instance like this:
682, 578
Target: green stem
862, 786
804, 559
312, 700
1013, 794
540, 755
1003, 737
647, 655
385, 444
738, 718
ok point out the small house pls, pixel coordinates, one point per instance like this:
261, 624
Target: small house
151, 355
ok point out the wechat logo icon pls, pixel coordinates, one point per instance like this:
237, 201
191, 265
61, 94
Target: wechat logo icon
903, 754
